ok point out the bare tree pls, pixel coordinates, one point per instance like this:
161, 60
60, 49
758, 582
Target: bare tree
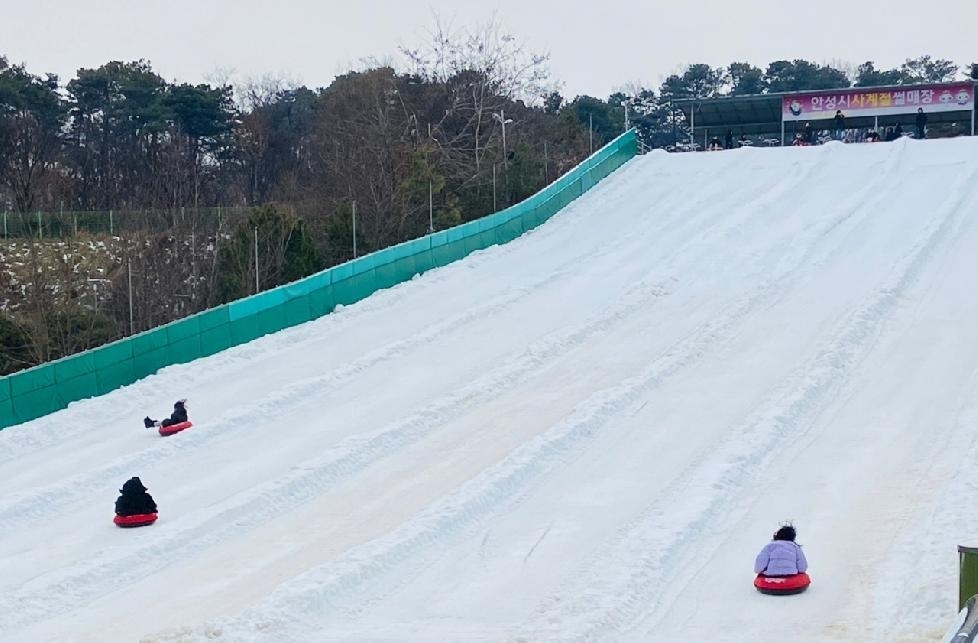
485, 67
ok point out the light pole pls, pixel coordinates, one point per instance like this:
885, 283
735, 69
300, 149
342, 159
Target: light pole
502, 120
431, 211
546, 164
132, 324
354, 207
493, 187
257, 287
590, 133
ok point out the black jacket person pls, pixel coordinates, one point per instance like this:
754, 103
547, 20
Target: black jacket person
179, 415
134, 500
921, 123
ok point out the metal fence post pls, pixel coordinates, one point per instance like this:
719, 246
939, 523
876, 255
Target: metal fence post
111, 224
968, 574
493, 187
40, 227
132, 325
354, 229
257, 287
431, 211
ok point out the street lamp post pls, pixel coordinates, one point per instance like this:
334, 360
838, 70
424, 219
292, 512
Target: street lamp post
132, 324
354, 208
502, 120
493, 187
431, 211
590, 133
257, 287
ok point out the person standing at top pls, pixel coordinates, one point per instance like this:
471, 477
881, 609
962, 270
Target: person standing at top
840, 125
921, 122
809, 134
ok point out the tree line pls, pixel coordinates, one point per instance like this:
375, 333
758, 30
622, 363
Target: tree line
470, 123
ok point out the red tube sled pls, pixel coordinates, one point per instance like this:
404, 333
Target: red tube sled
175, 428
795, 584
136, 520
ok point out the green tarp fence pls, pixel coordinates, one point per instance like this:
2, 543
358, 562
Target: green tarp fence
37, 391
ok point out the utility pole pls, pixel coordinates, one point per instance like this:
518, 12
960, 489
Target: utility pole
546, 164
132, 325
431, 211
354, 229
257, 287
590, 133
493, 187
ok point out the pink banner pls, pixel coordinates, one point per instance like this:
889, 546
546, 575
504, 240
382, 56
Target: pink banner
876, 101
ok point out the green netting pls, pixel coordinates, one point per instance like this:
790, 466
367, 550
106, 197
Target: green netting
508, 231
74, 366
213, 318
295, 311
262, 301
364, 264
321, 301
395, 272
35, 403
268, 321
31, 380
148, 341
149, 352
47, 388
424, 262
6, 406
180, 330
458, 233
184, 350
448, 252
112, 376
349, 291
340, 272
215, 340
114, 353
244, 330
77, 388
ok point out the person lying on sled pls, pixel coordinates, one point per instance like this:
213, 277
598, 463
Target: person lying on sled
178, 416
134, 499
782, 556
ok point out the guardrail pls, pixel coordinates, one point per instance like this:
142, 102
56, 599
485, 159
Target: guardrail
43, 389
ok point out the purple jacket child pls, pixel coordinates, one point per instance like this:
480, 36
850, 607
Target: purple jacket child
782, 556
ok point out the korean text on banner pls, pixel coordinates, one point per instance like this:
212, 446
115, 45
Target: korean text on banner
881, 101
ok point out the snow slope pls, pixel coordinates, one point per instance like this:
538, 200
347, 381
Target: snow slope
586, 434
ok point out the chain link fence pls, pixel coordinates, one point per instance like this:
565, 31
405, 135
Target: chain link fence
66, 223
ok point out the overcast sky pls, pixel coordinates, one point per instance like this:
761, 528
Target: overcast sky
596, 47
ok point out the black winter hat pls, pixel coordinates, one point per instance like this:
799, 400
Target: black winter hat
132, 484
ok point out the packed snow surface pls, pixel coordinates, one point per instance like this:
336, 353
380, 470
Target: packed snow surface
584, 435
